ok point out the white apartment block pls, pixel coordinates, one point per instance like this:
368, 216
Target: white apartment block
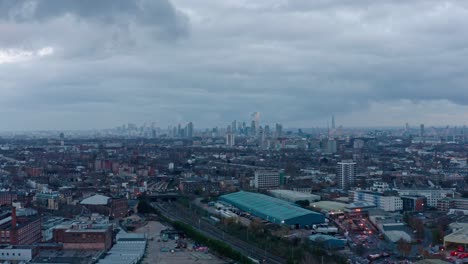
388, 202
432, 195
265, 179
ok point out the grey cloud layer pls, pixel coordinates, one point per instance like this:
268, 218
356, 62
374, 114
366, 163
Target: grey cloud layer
116, 61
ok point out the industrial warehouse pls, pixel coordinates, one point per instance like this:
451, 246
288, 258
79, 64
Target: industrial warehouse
272, 209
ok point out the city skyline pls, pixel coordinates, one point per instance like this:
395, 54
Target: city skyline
233, 131
183, 125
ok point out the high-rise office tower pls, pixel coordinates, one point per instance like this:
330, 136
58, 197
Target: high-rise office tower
260, 134
345, 174
230, 139
407, 127
256, 119
234, 127
190, 130
266, 131
329, 146
179, 131
421, 130
464, 134
333, 122
278, 130
169, 131
253, 128
247, 131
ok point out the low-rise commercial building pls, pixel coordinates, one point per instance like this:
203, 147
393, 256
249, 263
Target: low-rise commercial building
329, 208
129, 249
459, 237
392, 228
414, 203
17, 253
388, 201
327, 242
48, 225
358, 209
84, 235
48, 200
432, 195
446, 204
293, 196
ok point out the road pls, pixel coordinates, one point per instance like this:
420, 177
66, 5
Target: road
239, 165
208, 229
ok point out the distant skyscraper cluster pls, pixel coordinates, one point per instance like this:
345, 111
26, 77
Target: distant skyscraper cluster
181, 132
257, 132
130, 129
252, 131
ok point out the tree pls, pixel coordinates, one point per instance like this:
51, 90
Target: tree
404, 247
145, 208
360, 249
406, 218
256, 226
416, 224
303, 203
437, 236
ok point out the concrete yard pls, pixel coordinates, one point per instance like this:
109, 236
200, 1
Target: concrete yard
154, 254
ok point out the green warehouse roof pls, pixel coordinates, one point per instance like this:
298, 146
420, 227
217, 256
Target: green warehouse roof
272, 209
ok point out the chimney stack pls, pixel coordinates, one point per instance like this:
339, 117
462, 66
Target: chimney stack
13, 217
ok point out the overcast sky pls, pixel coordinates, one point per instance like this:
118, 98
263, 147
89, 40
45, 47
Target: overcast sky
67, 64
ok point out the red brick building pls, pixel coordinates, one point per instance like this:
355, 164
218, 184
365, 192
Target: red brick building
19, 230
112, 207
84, 236
7, 198
34, 171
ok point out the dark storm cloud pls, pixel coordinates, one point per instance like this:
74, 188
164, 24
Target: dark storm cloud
297, 62
160, 13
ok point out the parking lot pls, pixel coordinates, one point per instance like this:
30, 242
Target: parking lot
362, 232
156, 245
242, 218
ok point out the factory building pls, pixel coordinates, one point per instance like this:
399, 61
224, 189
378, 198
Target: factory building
293, 196
272, 209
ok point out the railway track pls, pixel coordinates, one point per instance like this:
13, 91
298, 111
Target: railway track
209, 230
